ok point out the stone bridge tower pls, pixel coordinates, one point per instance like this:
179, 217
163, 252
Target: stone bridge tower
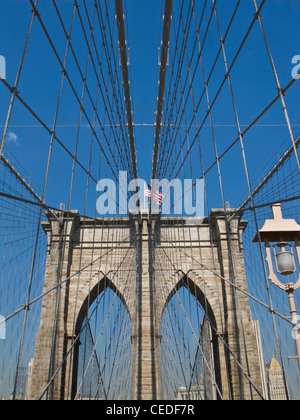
158, 262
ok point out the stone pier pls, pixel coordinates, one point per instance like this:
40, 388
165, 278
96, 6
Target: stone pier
201, 260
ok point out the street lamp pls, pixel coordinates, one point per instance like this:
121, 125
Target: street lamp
282, 232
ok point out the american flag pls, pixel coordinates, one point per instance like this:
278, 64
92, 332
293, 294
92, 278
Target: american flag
147, 191
159, 198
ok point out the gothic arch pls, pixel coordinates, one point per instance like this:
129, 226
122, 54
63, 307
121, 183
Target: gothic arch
194, 285
86, 297
95, 289
187, 282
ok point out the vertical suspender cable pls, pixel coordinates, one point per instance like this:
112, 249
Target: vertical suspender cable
162, 80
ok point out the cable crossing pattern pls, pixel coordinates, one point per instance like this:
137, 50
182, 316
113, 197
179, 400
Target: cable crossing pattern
147, 305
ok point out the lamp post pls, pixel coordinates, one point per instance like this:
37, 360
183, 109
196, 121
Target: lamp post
282, 232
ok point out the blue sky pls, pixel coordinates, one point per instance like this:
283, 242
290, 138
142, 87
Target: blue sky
252, 81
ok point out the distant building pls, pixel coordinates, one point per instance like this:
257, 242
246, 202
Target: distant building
29, 378
262, 365
208, 364
21, 383
195, 393
277, 390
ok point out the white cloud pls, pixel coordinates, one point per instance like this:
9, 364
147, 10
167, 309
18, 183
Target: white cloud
12, 137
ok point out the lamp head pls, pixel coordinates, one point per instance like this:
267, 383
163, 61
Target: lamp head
285, 260
279, 229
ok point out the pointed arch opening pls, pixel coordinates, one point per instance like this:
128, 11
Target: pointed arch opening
102, 361
190, 362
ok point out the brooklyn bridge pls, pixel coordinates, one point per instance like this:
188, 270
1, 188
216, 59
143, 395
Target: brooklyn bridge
149, 175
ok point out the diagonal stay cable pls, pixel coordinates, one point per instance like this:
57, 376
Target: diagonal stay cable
231, 284
82, 328
224, 342
22, 308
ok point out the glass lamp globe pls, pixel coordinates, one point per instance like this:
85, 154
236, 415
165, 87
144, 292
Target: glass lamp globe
285, 263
